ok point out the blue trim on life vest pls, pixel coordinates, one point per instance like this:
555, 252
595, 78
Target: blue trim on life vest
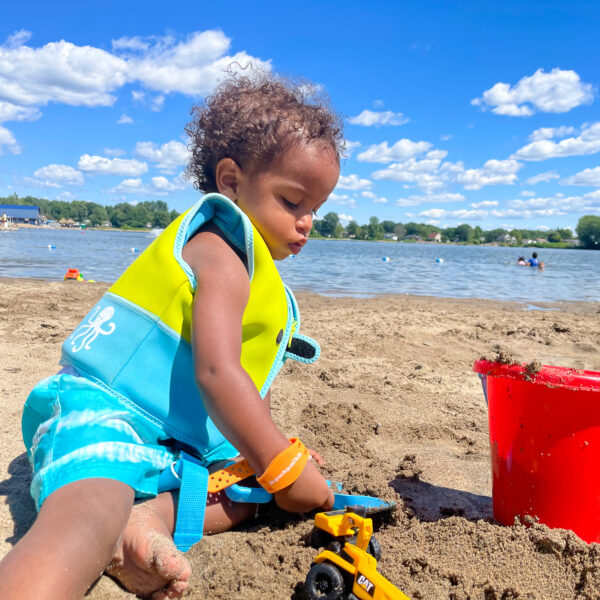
234, 224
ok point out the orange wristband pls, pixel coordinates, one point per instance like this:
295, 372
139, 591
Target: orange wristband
285, 468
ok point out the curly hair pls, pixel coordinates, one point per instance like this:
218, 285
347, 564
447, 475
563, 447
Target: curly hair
252, 120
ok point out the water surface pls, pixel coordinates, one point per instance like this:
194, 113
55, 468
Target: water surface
339, 268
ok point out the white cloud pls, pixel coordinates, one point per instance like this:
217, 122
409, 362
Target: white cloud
545, 176
136, 43
192, 67
462, 214
157, 103
554, 205
401, 150
114, 151
370, 118
345, 219
111, 166
168, 157
57, 176
528, 193
557, 92
484, 204
353, 182
18, 38
12, 112
588, 142
87, 76
416, 200
66, 196
493, 172
158, 186
124, 120
7, 139
342, 199
348, 147
546, 133
381, 200
427, 174
585, 177
446, 137
60, 72
367, 194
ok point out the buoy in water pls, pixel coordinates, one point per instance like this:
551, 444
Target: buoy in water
134, 249
386, 259
51, 247
439, 260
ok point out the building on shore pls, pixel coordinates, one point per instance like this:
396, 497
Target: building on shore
17, 213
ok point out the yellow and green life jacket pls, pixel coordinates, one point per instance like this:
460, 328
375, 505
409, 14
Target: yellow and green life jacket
136, 341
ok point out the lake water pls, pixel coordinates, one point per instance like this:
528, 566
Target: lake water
339, 268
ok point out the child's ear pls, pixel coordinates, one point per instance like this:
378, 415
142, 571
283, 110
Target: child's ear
227, 177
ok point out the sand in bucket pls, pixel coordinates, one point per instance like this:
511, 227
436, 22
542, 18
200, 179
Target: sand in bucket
544, 425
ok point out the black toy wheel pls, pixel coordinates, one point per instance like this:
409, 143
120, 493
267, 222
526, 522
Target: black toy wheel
324, 582
374, 549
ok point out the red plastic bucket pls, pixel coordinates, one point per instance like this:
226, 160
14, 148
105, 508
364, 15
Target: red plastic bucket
545, 445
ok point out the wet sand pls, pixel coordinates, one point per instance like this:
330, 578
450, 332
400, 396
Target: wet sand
394, 408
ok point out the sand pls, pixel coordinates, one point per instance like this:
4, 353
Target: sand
394, 408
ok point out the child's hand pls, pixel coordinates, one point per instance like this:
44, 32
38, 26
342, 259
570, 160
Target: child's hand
308, 492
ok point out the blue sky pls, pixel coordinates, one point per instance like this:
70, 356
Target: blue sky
455, 112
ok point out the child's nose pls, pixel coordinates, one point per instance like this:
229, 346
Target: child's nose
304, 224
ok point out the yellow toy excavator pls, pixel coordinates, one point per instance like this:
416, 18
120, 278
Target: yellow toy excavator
348, 567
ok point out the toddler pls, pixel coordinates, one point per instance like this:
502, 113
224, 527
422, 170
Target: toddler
168, 376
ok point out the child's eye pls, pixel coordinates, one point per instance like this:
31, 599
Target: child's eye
288, 203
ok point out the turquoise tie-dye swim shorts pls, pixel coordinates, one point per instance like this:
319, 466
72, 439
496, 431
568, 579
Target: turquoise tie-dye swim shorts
73, 429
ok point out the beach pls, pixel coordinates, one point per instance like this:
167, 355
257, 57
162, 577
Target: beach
393, 407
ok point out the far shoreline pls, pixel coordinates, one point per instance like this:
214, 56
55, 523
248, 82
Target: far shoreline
552, 246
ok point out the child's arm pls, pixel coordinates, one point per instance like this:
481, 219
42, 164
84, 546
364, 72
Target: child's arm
231, 398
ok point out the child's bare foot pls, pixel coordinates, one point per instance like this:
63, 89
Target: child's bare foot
147, 562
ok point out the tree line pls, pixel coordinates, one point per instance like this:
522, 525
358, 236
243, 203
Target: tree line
588, 231
155, 213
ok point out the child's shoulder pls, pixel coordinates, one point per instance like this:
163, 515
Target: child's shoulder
209, 252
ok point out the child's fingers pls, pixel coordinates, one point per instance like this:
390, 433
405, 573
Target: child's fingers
316, 457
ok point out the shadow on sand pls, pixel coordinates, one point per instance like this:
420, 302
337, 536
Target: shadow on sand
432, 503
16, 490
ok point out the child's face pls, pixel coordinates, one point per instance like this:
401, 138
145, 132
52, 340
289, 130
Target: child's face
282, 201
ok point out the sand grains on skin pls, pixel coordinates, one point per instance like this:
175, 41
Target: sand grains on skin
147, 561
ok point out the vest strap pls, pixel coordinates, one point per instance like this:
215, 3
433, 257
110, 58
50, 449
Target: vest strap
192, 503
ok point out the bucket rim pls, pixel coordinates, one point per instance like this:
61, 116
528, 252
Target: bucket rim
562, 377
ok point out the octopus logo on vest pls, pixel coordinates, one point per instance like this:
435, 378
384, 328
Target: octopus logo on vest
89, 331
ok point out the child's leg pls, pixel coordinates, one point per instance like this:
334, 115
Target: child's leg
69, 545
147, 559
